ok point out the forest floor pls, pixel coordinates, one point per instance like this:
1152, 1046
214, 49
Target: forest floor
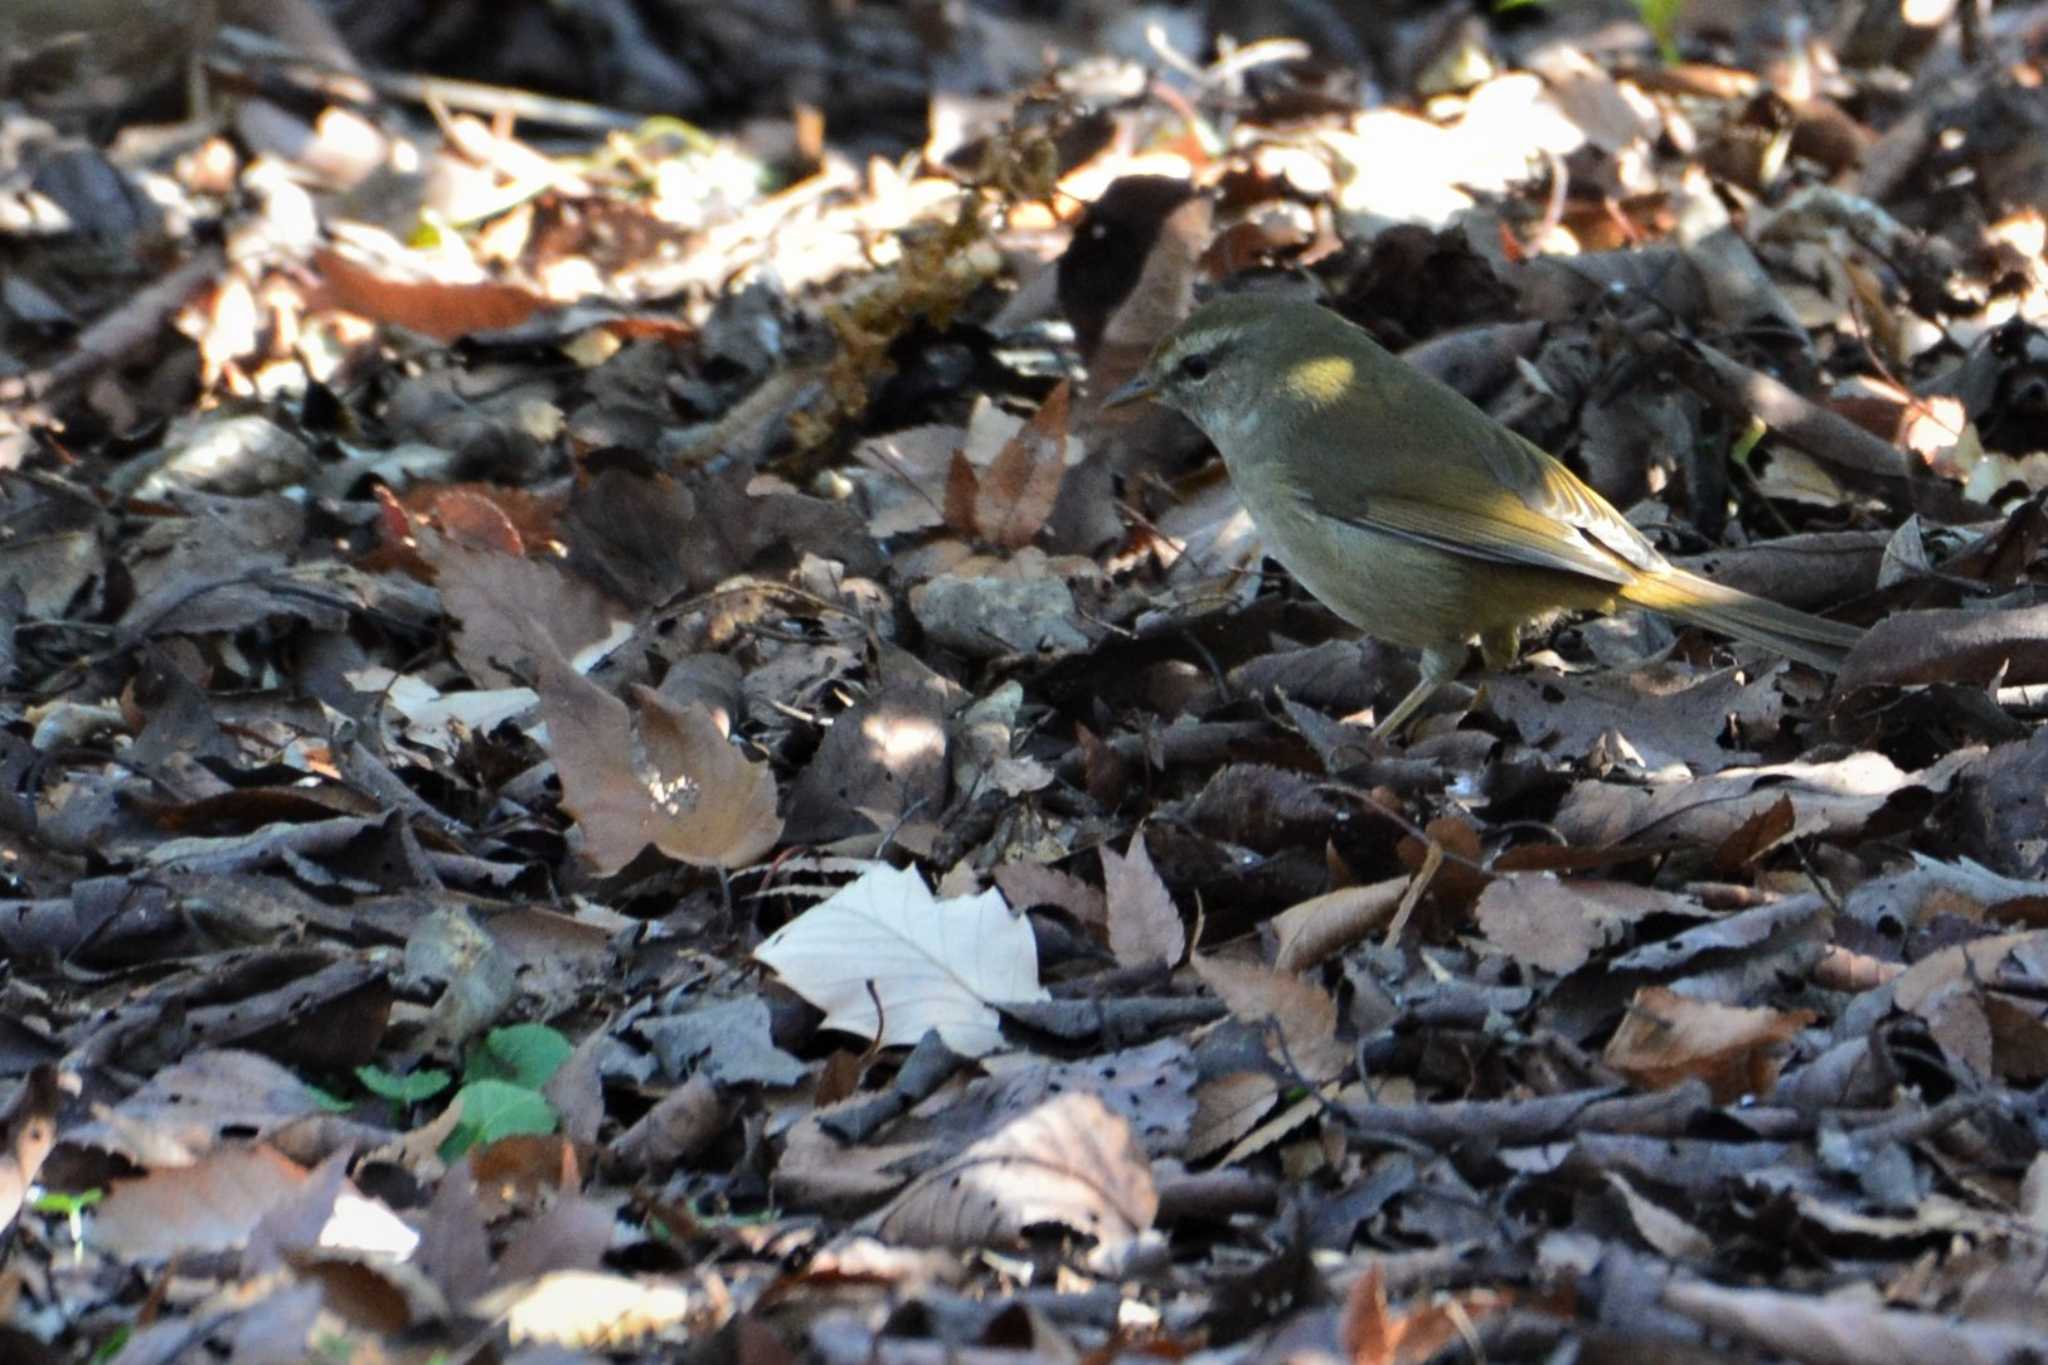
610, 755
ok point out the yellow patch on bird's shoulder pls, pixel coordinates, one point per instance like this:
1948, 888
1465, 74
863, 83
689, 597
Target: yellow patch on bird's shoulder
1321, 380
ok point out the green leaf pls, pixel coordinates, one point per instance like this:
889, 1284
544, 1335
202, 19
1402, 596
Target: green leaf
58, 1201
1746, 443
497, 1109
328, 1100
423, 1084
1661, 18
524, 1054
113, 1345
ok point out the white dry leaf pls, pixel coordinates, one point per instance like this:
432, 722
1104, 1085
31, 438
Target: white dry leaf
930, 964
582, 1309
1794, 476
434, 719
1905, 555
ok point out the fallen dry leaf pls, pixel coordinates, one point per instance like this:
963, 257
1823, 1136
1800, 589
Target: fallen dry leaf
1558, 925
886, 961
1143, 924
1069, 1163
769, 409
580, 1309
1666, 1038
672, 780
1304, 1013
441, 309
214, 1204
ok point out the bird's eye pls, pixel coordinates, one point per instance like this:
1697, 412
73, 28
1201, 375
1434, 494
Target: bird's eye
1194, 367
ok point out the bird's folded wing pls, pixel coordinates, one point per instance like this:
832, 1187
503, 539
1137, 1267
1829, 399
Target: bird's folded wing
1551, 491
1504, 531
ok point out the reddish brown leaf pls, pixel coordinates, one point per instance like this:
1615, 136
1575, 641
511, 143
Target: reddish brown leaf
476, 521
1023, 482
963, 495
1370, 1334
439, 309
1755, 837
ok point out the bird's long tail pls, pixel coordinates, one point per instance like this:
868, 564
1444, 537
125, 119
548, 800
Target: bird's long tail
1786, 630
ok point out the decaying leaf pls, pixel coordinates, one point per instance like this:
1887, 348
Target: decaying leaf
509, 606
217, 1201
1835, 797
28, 1129
1558, 925
1069, 1163
1144, 926
1667, 1038
1304, 1013
672, 779
1323, 925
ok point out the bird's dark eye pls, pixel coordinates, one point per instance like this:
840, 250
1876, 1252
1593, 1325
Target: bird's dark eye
1194, 367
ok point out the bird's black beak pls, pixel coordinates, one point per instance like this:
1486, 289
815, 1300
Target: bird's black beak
1139, 386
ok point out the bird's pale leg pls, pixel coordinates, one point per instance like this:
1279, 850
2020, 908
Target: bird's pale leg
1498, 650
206, 20
1500, 647
1439, 666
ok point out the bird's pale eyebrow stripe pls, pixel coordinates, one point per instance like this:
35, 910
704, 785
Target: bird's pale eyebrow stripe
1212, 349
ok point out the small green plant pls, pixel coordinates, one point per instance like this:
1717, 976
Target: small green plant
333, 1346
496, 1109
116, 1342
411, 1088
1745, 445
1659, 16
524, 1054
328, 1100
72, 1207
501, 1086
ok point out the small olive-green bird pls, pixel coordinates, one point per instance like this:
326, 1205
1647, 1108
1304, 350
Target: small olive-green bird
1413, 514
